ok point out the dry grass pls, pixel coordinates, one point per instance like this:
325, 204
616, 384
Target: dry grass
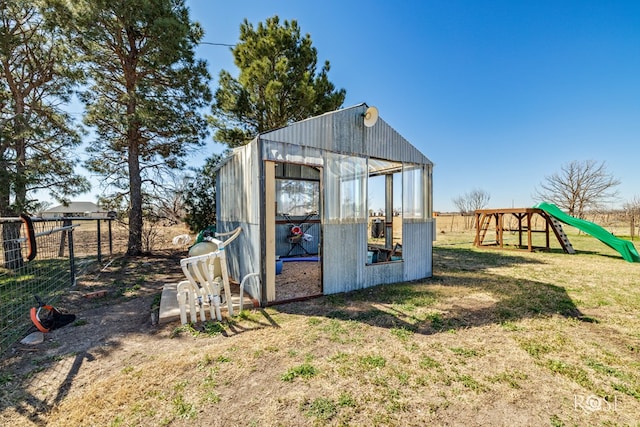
494, 338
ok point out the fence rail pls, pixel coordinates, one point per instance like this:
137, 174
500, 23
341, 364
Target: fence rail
44, 257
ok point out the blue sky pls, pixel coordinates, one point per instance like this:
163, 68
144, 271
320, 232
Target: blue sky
498, 94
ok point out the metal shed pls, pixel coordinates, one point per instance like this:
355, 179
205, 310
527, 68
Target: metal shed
306, 197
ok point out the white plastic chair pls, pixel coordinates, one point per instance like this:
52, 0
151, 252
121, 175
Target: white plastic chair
201, 288
206, 274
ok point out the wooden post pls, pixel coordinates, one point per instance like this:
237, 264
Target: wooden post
63, 239
110, 238
546, 225
476, 241
529, 234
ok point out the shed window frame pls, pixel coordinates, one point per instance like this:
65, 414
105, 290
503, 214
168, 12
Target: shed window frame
345, 188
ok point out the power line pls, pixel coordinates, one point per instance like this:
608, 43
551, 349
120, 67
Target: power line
218, 44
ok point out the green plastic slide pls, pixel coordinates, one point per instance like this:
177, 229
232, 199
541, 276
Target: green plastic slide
624, 247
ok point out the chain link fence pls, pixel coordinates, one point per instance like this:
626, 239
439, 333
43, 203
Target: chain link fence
44, 257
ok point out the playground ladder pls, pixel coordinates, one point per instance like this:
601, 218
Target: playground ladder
483, 227
561, 235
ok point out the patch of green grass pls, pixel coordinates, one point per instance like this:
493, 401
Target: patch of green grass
188, 328
210, 381
556, 421
128, 290
340, 357
182, 408
306, 371
402, 333
373, 315
314, 321
79, 322
464, 352
572, 372
127, 369
403, 377
534, 347
436, 320
211, 397
206, 361
117, 421
339, 315
628, 390
223, 359
427, 362
346, 399
336, 330
470, 383
604, 369
5, 378
510, 326
155, 304
396, 405
209, 328
372, 362
322, 409
511, 378
212, 329
336, 299
180, 385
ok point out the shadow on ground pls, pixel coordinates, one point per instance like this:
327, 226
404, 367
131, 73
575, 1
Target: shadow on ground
36, 378
461, 294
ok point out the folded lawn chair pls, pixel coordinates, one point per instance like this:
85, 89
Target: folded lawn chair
206, 274
201, 288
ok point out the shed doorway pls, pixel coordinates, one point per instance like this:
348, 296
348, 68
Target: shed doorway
298, 232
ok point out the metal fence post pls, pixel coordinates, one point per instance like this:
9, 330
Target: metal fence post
72, 261
110, 237
99, 243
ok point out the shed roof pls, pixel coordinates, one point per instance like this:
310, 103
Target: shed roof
343, 131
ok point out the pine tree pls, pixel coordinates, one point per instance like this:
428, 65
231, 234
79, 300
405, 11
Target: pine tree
278, 83
37, 138
145, 94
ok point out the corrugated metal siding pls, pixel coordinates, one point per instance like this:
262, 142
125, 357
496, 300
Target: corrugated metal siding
243, 254
343, 131
384, 273
344, 253
344, 257
417, 243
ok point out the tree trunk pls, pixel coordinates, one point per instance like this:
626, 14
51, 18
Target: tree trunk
134, 246
11, 231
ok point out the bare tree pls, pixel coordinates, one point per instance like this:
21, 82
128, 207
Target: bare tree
467, 203
578, 187
632, 210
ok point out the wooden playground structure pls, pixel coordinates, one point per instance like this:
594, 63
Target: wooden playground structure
484, 218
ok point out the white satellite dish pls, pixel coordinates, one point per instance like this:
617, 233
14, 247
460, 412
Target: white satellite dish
370, 116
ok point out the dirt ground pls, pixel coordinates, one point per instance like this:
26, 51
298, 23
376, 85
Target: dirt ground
110, 305
298, 280
114, 311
